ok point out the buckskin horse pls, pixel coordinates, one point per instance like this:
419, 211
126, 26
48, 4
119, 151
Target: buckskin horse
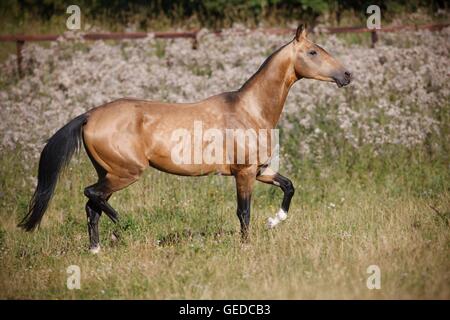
122, 138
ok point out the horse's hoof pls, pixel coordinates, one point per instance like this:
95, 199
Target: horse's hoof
95, 250
114, 237
280, 216
272, 222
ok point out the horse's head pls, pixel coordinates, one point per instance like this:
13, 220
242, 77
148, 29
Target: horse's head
313, 62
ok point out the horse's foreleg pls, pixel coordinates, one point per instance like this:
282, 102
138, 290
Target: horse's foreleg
245, 179
288, 189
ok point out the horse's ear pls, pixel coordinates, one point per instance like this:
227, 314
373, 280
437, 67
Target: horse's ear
301, 32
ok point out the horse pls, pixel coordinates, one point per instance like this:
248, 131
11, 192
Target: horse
124, 137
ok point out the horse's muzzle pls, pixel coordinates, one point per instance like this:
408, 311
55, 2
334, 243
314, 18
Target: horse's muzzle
343, 79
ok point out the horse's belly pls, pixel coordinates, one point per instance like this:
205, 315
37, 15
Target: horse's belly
167, 165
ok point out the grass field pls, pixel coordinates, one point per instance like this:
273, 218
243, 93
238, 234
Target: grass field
179, 237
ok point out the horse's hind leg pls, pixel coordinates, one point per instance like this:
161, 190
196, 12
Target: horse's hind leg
98, 195
93, 213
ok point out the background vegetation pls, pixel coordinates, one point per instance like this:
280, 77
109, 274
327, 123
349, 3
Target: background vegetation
49, 16
145, 14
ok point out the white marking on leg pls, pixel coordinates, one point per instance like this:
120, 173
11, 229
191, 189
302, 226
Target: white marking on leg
95, 250
280, 216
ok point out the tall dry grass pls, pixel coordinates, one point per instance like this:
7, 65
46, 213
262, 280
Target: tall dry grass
178, 238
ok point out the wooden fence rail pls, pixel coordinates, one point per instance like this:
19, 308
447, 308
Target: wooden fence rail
21, 39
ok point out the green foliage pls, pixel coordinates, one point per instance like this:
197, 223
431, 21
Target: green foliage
209, 13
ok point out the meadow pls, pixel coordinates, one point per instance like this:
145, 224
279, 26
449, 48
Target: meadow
370, 163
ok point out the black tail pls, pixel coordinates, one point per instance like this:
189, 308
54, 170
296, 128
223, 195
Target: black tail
56, 155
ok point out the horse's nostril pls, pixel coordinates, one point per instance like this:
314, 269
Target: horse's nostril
348, 74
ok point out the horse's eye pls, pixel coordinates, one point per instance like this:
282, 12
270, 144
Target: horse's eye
313, 52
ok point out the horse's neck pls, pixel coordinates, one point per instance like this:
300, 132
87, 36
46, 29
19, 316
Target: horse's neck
265, 93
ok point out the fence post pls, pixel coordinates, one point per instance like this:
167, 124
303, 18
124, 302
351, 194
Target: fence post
19, 46
374, 38
195, 41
